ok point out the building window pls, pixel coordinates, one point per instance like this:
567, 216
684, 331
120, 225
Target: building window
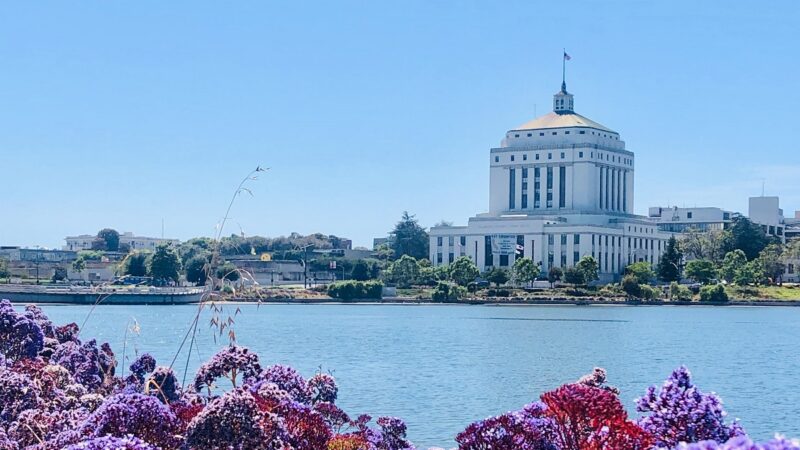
524, 200
563, 239
562, 186
463, 240
576, 239
525, 157
549, 187
438, 258
554, 133
550, 239
512, 184
537, 156
541, 134
503, 260
516, 135
512, 157
576, 256
549, 156
450, 240
529, 135
496, 159
450, 257
524, 172
439, 241
488, 258
689, 215
563, 260
562, 155
580, 154
582, 132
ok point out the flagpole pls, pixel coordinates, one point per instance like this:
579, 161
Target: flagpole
564, 67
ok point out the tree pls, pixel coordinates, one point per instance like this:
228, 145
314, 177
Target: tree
747, 237
669, 266
99, 244
4, 273
696, 244
59, 274
574, 276
631, 286
497, 276
196, 270
409, 238
770, 263
164, 264
525, 271
79, 265
700, 270
732, 263
463, 271
404, 272
228, 271
555, 274
589, 268
111, 239
749, 273
641, 271
135, 264
360, 271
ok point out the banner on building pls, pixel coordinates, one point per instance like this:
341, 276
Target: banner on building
504, 244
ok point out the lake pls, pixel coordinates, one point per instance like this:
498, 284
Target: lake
442, 367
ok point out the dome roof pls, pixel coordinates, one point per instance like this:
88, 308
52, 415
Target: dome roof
561, 120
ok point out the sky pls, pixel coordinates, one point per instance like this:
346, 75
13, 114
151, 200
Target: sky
133, 114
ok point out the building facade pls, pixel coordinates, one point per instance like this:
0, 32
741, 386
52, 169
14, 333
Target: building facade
561, 187
84, 242
681, 220
766, 211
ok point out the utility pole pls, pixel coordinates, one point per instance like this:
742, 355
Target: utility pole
305, 264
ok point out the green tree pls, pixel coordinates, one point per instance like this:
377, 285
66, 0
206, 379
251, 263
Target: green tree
733, 262
669, 265
696, 244
59, 274
641, 271
574, 276
497, 276
631, 286
589, 268
749, 273
4, 273
409, 238
700, 270
770, 263
111, 239
463, 271
524, 271
554, 275
196, 270
228, 271
360, 271
747, 237
679, 292
79, 265
403, 272
164, 264
135, 264
714, 293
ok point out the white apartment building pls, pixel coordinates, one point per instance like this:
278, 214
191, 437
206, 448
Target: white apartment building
84, 242
680, 220
766, 212
561, 187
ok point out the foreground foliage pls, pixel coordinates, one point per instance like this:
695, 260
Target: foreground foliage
58, 392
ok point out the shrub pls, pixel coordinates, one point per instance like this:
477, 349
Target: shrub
498, 292
630, 285
648, 292
713, 294
679, 292
448, 292
351, 290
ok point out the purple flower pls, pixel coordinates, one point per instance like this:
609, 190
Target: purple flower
128, 442
141, 415
83, 361
20, 337
164, 385
527, 429
742, 443
322, 388
234, 421
38, 316
141, 366
17, 393
287, 379
228, 362
679, 412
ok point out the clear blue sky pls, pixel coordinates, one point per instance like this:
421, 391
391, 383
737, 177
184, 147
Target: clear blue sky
120, 114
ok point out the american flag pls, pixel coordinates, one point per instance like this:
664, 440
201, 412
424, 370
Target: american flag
567, 57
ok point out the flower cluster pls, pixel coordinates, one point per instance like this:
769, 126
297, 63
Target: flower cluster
60, 393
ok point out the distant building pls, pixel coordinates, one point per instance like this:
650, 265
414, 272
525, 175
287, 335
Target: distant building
560, 188
766, 211
377, 242
34, 255
84, 242
681, 220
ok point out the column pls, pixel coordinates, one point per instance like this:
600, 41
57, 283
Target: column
556, 185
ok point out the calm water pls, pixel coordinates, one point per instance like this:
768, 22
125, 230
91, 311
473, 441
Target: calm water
441, 367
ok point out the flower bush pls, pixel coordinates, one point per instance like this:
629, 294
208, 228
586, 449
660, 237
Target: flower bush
58, 392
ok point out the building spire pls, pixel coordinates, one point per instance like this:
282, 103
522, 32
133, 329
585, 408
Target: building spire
563, 102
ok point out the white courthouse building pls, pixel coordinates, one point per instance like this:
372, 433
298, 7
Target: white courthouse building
561, 187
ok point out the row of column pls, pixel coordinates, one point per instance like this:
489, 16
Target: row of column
613, 189
516, 190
